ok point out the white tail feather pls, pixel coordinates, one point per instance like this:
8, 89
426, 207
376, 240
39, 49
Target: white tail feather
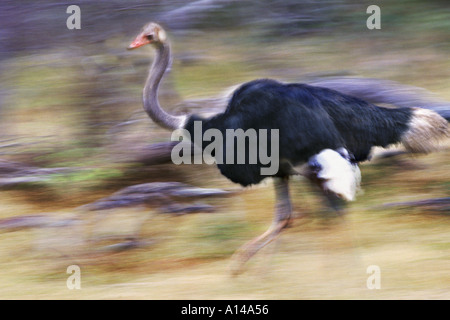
426, 129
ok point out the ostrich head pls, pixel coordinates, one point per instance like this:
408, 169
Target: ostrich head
151, 33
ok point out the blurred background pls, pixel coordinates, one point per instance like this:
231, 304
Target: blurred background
73, 131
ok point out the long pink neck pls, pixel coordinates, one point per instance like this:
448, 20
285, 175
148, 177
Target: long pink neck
150, 95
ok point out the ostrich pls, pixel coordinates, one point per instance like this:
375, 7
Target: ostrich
325, 129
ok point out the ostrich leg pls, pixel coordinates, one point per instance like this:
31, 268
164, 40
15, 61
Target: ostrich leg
337, 204
282, 214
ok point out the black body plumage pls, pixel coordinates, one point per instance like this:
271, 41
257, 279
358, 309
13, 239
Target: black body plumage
309, 119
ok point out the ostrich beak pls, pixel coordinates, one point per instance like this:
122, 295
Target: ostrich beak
140, 41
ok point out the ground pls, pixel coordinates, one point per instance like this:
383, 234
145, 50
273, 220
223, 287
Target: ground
319, 257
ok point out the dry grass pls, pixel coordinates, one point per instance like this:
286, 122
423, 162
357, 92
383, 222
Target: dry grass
319, 257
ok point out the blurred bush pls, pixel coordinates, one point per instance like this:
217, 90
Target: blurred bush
67, 96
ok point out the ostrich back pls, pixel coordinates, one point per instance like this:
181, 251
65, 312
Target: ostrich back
309, 119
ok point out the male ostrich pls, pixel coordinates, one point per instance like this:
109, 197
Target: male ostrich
315, 124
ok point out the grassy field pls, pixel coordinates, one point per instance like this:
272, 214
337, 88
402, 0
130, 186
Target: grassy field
187, 257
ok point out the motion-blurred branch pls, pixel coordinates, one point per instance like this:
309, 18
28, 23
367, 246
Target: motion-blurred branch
437, 204
12, 173
164, 196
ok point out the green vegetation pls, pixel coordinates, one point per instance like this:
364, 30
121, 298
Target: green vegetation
76, 103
